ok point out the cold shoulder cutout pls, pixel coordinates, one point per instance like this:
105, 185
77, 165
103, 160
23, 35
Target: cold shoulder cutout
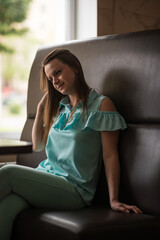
101, 115
107, 105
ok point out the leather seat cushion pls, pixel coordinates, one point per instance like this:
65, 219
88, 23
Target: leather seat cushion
89, 223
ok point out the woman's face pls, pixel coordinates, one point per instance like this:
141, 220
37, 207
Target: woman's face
61, 76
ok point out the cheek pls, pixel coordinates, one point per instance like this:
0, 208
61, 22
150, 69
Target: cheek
71, 78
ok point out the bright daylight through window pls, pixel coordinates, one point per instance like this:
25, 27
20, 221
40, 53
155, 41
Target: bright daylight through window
18, 47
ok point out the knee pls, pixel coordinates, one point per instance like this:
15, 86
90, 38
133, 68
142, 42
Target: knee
12, 204
7, 169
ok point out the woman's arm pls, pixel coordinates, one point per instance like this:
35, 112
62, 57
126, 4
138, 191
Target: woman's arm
111, 162
38, 138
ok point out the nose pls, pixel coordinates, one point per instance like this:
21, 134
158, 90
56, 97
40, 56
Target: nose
54, 80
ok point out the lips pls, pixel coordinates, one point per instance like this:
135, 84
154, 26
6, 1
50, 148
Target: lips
60, 86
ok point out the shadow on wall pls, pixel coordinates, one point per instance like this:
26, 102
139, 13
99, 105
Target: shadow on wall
121, 88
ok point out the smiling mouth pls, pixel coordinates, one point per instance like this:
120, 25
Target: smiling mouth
60, 86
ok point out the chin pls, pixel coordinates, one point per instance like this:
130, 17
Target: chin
64, 92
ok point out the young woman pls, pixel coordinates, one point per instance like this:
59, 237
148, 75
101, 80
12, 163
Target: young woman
78, 127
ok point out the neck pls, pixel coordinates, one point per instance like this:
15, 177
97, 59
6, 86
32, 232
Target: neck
73, 100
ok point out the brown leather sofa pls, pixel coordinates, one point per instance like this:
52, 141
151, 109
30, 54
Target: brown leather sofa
127, 69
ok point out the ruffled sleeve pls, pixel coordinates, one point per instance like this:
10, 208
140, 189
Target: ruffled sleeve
94, 120
104, 121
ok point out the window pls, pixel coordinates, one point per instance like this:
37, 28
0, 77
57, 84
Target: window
46, 25
49, 22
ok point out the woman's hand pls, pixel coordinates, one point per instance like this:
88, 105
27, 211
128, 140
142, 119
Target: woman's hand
122, 207
38, 138
41, 104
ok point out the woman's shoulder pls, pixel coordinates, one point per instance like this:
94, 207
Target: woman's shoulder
102, 114
100, 102
107, 105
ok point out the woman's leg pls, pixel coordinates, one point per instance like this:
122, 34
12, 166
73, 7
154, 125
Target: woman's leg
10, 207
38, 188
28, 186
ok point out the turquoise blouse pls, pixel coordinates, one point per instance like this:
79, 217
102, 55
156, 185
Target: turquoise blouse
74, 150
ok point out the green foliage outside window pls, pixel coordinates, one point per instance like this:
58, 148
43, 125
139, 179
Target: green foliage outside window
12, 14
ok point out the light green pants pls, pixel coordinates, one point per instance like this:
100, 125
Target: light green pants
24, 187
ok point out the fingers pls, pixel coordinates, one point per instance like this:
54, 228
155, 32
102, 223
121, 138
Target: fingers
136, 209
44, 96
129, 208
42, 102
122, 207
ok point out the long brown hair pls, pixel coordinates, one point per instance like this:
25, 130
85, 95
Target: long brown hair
54, 97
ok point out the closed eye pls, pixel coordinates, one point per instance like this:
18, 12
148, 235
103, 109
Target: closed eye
57, 73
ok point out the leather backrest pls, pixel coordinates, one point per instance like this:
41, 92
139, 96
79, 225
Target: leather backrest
127, 69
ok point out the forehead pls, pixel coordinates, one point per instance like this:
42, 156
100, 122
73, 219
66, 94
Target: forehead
52, 66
